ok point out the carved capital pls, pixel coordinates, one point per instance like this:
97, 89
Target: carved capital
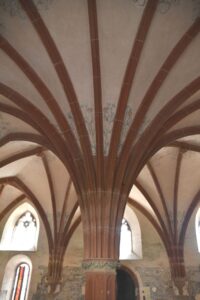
100, 265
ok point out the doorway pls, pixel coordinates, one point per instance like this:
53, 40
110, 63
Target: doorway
126, 285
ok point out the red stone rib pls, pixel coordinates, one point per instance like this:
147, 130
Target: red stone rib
143, 148
185, 146
21, 155
12, 205
43, 91
52, 192
165, 239
176, 185
129, 76
54, 140
195, 201
94, 40
68, 88
162, 197
153, 206
164, 71
18, 183
67, 194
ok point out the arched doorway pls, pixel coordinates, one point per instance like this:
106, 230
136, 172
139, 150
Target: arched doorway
127, 285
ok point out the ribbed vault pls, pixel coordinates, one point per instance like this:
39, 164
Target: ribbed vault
99, 100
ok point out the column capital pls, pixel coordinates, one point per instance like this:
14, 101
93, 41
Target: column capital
100, 265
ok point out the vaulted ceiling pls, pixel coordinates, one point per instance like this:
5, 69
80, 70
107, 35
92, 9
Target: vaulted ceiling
103, 94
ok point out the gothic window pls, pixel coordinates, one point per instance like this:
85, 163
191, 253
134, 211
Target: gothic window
125, 240
16, 280
24, 232
21, 282
198, 229
21, 230
130, 236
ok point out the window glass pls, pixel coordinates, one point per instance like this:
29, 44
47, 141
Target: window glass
20, 282
125, 240
198, 228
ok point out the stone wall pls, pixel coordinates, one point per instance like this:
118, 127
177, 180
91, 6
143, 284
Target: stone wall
154, 281
193, 275
152, 271
158, 281
71, 287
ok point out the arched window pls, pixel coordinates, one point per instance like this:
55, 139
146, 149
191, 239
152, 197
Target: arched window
21, 282
17, 277
24, 232
130, 236
21, 230
197, 225
126, 248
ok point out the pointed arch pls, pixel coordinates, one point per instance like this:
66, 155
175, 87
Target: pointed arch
18, 267
22, 223
130, 240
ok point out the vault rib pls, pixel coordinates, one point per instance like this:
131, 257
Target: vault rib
68, 88
127, 83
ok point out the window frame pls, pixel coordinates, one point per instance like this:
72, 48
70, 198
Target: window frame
10, 274
136, 239
16, 282
6, 243
197, 228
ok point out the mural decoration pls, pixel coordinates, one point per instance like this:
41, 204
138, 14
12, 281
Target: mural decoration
165, 5
13, 7
100, 265
109, 111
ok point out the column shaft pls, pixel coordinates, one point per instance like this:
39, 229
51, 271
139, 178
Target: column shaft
100, 285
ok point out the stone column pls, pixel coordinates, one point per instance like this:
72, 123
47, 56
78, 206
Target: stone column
180, 283
101, 229
100, 278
